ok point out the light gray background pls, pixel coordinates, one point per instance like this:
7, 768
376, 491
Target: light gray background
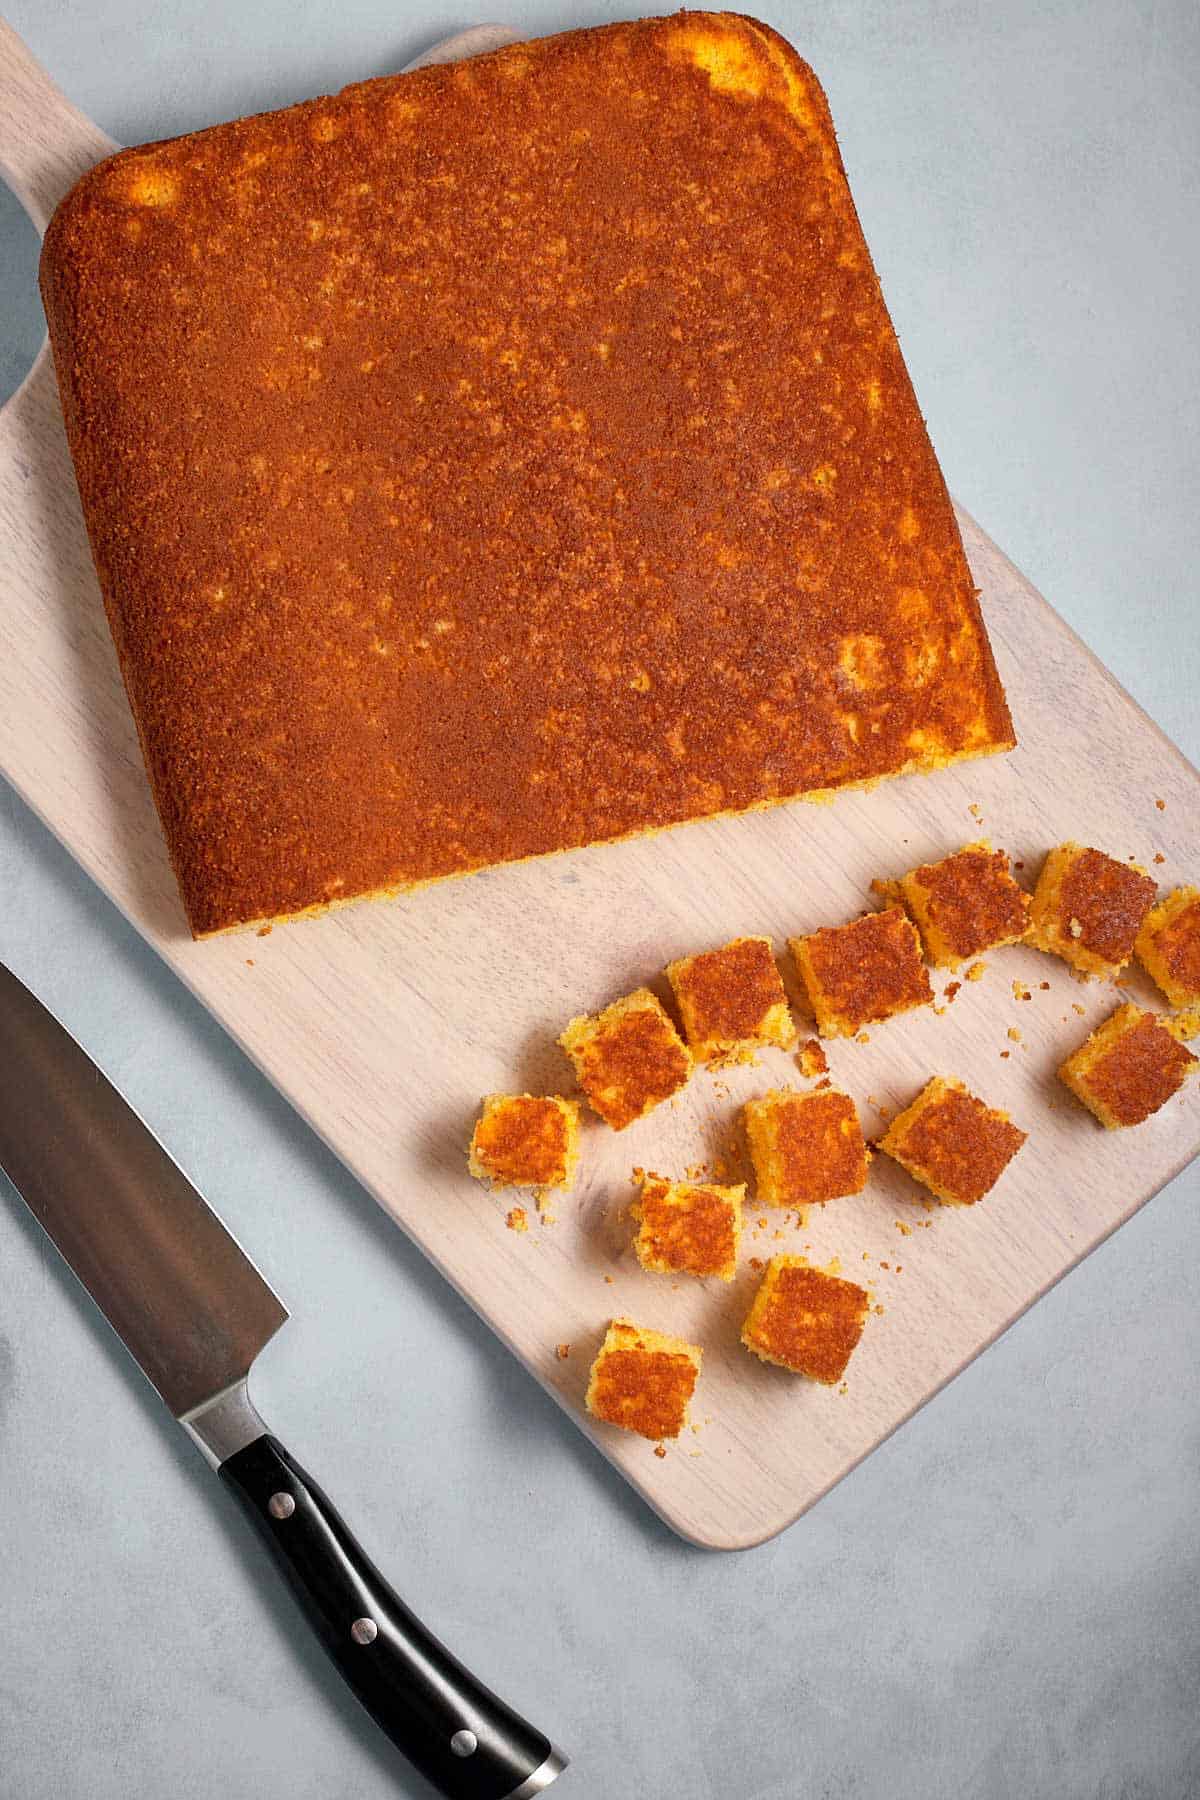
1003, 1600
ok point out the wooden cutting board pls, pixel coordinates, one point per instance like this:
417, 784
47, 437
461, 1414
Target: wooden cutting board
385, 1024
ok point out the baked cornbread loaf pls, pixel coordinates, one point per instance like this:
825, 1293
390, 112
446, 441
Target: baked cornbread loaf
525, 1140
731, 1001
805, 1148
952, 1142
504, 457
643, 1380
688, 1228
1128, 1068
805, 1320
628, 1058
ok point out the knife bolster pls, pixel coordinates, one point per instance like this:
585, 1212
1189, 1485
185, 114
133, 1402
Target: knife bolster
225, 1424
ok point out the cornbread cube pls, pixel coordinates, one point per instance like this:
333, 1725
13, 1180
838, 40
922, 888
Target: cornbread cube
1168, 946
1129, 1067
964, 904
688, 1229
643, 1380
805, 1147
629, 1058
523, 1141
867, 970
805, 1320
731, 1000
1088, 908
952, 1143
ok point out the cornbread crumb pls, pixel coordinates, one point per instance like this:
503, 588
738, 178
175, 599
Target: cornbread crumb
686, 1229
976, 971
805, 1148
1128, 1068
628, 1058
643, 1380
857, 974
1020, 991
1075, 1007
1161, 805
953, 1143
523, 1141
1168, 946
966, 903
562, 1351
903, 1229
1088, 908
812, 1059
805, 1320
951, 991
660, 1449
731, 1001
1014, 1034
517, 1219
1159, 857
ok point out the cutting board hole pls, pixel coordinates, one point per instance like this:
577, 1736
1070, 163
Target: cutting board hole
22, 325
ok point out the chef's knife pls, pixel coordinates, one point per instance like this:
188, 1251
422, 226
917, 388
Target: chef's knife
194, 1312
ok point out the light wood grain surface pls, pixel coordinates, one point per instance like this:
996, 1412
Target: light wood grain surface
384, 1024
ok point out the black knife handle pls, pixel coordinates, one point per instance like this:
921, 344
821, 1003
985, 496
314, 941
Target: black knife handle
461, 1737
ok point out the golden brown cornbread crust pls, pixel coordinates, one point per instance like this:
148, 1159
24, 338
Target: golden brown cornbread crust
470, 478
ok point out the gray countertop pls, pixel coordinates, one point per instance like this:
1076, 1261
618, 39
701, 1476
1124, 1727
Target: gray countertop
1002, 1601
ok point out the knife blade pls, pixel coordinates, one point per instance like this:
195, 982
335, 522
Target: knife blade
194, 1312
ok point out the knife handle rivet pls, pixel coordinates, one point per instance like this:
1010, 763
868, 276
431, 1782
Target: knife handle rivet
364, 1631
464, 1743
281, 1506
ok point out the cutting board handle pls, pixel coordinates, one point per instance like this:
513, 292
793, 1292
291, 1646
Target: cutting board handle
46, 144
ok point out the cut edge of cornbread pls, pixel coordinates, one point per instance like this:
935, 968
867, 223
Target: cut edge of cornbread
927, 764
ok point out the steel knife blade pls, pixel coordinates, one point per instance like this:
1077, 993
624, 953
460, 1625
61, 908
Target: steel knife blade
191, 1307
